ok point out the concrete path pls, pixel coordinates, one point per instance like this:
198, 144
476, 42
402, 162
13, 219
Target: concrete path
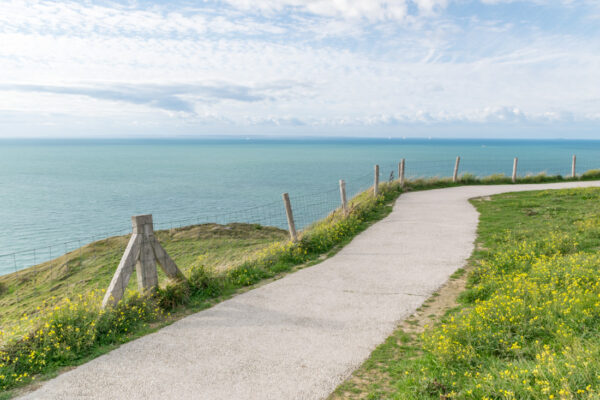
301, 336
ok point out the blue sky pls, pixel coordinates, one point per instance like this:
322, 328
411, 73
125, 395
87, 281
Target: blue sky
441, 68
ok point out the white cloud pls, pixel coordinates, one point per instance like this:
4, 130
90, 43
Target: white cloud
373, 10
316, 64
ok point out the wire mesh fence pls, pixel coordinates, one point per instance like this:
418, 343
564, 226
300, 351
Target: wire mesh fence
307, 209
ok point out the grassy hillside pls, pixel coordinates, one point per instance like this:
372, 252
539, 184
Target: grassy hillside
93, 266
527, 325
210, 245
218, 261
51, 315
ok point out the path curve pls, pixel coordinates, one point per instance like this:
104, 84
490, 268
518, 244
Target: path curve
298, 337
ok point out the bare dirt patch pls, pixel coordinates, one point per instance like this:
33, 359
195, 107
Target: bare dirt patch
437, 305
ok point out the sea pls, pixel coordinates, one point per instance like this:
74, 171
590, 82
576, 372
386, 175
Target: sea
57, 194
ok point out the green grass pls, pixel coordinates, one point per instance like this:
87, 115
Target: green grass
51, 316
92, 266
70, 328
496, 179
528, 324
216, 246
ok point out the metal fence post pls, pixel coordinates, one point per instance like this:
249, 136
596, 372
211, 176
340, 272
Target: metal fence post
573, 172
514, 174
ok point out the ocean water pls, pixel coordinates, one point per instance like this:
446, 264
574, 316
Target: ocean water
56, 195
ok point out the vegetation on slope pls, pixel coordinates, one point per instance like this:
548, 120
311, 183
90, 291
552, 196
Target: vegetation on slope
51, 315
528, 325
75, 329
92, 266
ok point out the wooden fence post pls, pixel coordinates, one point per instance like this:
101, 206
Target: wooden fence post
514, 174
401, 172
145, 267
573, 173
376, 181
290, 217
455, 175
343, 196
142, 252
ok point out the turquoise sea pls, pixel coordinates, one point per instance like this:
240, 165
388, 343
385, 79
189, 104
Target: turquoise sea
58, 194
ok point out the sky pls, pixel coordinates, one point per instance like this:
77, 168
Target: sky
374, 68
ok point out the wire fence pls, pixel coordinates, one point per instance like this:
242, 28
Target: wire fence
483, 167
307, 209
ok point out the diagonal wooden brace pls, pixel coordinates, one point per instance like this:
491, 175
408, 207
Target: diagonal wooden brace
167, 264
120, 279
143, 251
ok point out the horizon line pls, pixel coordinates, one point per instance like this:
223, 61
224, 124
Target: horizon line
284, 138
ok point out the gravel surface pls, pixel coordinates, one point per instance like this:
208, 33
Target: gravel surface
298, 337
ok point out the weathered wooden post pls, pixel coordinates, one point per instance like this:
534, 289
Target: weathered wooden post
514, 174
147, 275
401, 172
343, 196
290, 217
376, 181
455, 175
573, 172
143, 251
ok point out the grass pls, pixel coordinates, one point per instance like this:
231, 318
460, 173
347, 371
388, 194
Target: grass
93, 266
218, 262
496, 179
217, 246
51, 316
527, 326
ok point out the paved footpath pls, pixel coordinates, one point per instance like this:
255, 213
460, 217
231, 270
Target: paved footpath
301, 336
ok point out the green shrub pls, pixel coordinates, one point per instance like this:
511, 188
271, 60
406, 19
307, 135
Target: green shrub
591, 174
540, 178
468, 178
496, 178
205, 282
173, 295
69, 332
428, 183
247, 274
